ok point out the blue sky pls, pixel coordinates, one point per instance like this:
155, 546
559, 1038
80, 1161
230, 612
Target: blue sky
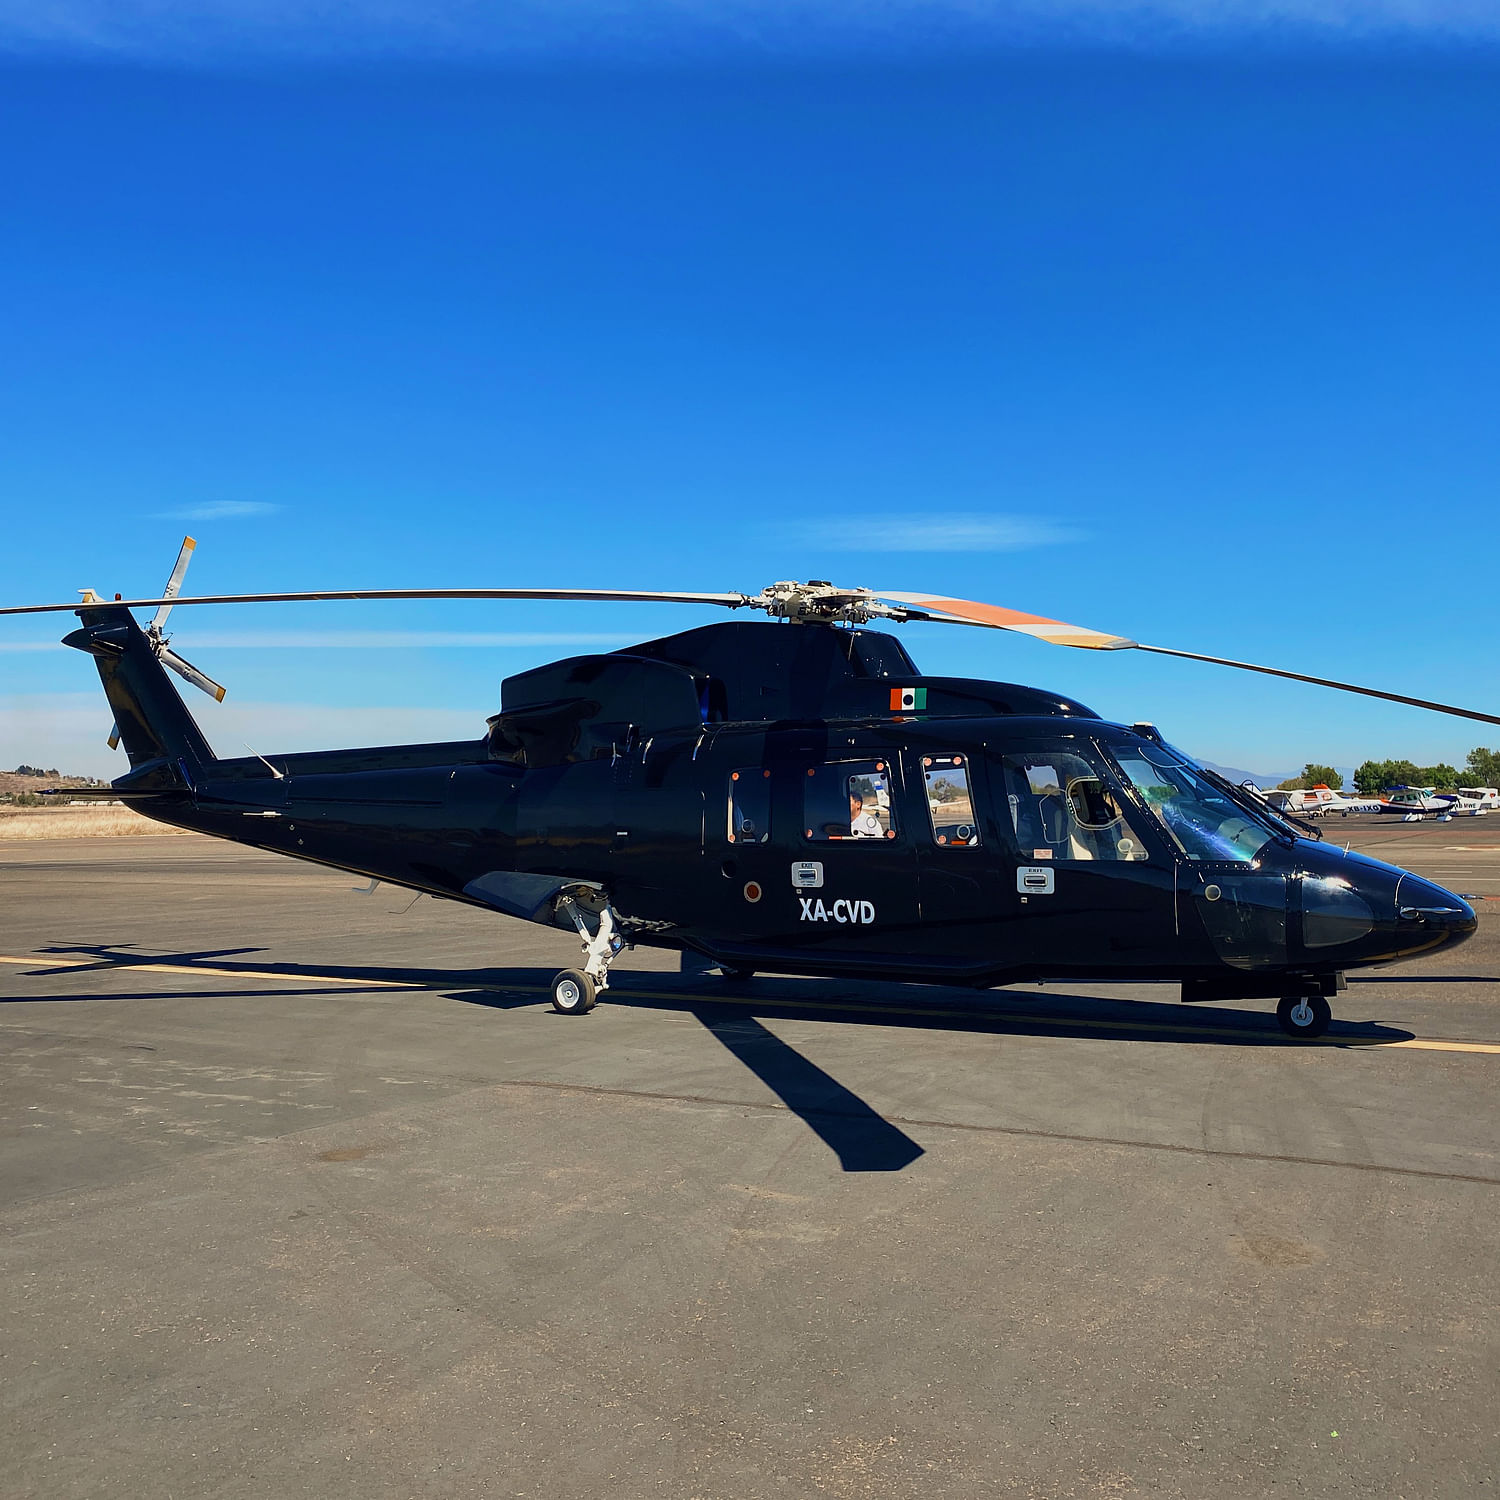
1183, 327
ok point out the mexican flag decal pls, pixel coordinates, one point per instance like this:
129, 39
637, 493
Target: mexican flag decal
908, 700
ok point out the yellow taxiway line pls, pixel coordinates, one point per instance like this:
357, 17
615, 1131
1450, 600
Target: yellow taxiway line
1429, 1044
932, 1012
130, 965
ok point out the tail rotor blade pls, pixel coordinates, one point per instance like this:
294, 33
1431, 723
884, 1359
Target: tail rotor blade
114, 737
174, 583
186, 670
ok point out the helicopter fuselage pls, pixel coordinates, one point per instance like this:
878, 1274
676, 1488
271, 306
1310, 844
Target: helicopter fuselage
1020, 876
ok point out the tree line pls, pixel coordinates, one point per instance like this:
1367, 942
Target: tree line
1482, 768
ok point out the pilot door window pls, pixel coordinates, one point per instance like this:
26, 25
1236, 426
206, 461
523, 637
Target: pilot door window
950, 802
1062, 809
749, 806
851, 801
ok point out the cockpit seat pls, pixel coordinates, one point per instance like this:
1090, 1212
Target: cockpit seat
1052, 813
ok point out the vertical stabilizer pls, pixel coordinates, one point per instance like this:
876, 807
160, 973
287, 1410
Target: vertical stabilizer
153, 721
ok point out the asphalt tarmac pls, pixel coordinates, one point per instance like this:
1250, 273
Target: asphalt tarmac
307, 1192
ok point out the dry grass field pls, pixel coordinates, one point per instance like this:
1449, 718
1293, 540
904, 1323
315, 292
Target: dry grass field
68, 822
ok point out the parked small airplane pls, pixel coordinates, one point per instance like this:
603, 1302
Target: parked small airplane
1464, 805
1344, 803
1416, 802
1319, 801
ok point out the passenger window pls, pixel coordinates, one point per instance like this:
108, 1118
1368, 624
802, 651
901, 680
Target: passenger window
848, 801
950, 804
1062, 809
749, 806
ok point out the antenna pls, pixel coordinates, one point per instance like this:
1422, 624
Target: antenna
279, 775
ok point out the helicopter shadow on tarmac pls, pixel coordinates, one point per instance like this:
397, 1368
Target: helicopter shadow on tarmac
857, 1134
861, 1138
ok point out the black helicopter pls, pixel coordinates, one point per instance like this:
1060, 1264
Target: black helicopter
792, 795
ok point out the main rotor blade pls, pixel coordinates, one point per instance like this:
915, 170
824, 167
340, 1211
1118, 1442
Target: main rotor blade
857, 605
995, 617
170, 658
729, 601
174, 583
1329, 682
967, 612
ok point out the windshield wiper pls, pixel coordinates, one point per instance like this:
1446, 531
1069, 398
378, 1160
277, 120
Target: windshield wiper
1263, 810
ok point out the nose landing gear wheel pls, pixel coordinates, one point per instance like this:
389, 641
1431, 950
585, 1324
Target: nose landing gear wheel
573, 993
1304, 1016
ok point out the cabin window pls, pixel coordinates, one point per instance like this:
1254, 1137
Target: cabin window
749, 806
1062, 809
950, 802
851, 800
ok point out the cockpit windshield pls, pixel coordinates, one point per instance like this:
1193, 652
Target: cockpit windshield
1203, 820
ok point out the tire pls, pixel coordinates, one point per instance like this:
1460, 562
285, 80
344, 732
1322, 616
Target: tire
735, 974
1304, 1017
573, 993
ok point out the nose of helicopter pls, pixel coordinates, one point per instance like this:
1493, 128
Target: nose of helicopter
1358, 909
1423, 906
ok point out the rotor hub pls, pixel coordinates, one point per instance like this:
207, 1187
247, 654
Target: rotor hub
819, 602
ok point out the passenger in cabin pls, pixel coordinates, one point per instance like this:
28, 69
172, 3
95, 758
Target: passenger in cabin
862, 824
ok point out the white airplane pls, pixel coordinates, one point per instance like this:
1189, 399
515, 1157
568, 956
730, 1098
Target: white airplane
1346, 803
1487, 797
1318, 802
1416, 802
1464, 804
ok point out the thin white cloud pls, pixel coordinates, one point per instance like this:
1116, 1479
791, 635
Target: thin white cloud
945, 531
363, 640
216, 510
206, 29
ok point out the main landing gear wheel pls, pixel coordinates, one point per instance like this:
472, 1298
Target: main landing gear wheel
573, 993
575, 990
1304, 1016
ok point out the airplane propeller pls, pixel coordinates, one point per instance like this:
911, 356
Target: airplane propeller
815, 602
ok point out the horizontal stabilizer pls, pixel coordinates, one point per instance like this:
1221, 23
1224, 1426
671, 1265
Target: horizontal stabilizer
100, 793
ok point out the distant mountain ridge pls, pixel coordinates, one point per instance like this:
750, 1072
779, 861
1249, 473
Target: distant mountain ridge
1260, 778
1270, 778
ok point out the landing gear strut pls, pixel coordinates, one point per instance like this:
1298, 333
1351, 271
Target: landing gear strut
1304, 1016
575, 991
